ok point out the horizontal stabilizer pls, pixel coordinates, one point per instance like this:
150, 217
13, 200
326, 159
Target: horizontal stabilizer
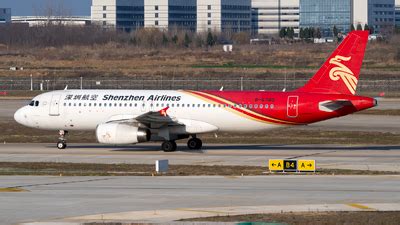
331, 106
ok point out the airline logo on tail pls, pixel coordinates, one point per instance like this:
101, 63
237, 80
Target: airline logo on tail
343, 72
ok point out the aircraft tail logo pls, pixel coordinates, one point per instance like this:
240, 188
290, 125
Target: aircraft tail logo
342, 72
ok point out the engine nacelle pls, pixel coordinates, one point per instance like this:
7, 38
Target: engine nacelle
115, 133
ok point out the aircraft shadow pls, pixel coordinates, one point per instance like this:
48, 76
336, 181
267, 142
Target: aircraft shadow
182, 148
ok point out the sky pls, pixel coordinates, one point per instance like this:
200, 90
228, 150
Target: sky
39, 7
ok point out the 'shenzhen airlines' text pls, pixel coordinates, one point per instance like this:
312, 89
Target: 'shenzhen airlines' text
141, 98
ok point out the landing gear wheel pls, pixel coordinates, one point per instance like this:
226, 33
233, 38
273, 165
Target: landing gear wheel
194, 144
62, 142
61, 145
169, 146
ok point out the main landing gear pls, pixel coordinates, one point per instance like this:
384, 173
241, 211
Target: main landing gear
62, 142
169, 146
193, 144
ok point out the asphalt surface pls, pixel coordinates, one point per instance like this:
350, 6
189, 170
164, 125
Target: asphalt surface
380, 158
56, 198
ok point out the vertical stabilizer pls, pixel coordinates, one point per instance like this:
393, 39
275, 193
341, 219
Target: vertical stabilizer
340, 73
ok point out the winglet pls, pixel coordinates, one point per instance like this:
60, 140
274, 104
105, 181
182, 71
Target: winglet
163, 112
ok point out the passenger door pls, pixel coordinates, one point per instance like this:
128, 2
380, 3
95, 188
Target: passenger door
293, 106
55, 105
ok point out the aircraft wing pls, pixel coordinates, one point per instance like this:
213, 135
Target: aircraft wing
151, 120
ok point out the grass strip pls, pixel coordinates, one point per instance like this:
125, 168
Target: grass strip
315, 218
90, 169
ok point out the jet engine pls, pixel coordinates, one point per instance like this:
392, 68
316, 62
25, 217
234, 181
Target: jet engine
118, 133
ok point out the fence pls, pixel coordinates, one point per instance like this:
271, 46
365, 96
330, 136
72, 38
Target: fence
198, 84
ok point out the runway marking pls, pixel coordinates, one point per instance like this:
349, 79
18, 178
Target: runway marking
63, 182
231, 177
314, 154
359, 206
203, 211
12, 189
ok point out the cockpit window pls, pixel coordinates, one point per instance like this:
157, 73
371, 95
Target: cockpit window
34, 103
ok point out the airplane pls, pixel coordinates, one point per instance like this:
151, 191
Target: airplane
135, 116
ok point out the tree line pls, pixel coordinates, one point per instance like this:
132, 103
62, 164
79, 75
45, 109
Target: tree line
58, 35
315, 32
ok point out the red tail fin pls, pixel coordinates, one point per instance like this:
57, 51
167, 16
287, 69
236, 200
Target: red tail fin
339, 74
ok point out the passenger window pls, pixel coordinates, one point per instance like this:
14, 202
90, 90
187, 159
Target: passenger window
100, 104
80, 104
90, 104
183, 105
65, 104
70, 104
162, 105
110, 104
256, 106
266, 106
261, 106
250, 106
75, 104
115, 104
245, 106
272, 106
157, 105
135, 104
84, 104
126, 104
130, 104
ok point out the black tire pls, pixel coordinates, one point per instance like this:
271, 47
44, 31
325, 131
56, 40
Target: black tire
169, 146
61, 145
194, 144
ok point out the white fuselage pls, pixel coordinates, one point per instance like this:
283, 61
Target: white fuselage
86, 109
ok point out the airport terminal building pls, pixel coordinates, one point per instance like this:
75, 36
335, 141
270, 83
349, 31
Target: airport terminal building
5, 15
224, 15
193, 15
325, 14
269, 16
255, 16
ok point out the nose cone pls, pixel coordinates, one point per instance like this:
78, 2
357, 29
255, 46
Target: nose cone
19, 116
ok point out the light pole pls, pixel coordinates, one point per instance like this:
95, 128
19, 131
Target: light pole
31, 83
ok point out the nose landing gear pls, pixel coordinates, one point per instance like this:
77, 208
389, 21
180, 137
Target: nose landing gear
62, 141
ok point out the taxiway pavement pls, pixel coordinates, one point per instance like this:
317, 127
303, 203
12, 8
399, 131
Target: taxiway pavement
380, 158
60, 198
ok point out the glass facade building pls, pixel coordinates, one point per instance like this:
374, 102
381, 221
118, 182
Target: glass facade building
129, 17
397, 16
183, 16
381, 15
5, 15
325, 14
